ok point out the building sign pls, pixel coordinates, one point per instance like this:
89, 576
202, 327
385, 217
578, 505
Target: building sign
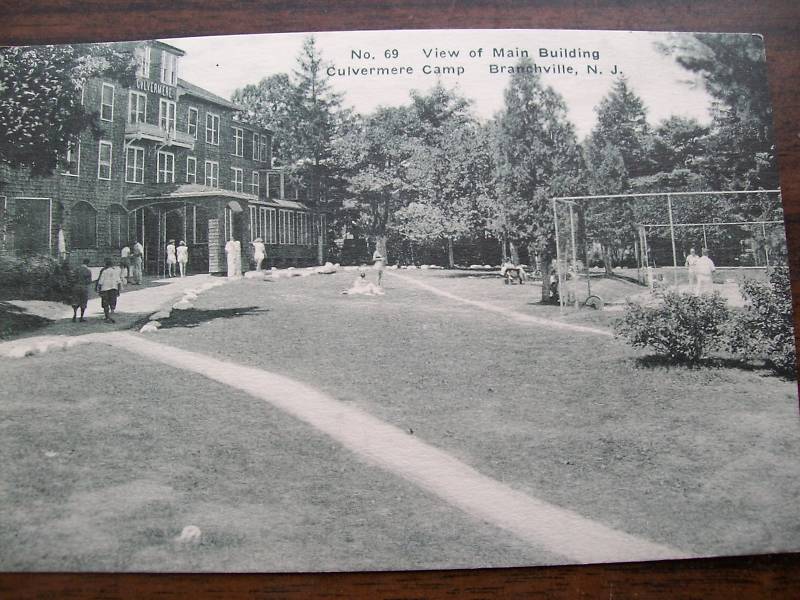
216, 259
161, 89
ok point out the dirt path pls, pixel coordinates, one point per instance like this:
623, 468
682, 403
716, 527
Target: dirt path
537, 522
509, 314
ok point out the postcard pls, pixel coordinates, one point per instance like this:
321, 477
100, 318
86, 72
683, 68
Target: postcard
389, 300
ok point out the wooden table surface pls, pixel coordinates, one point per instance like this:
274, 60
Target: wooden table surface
771, 576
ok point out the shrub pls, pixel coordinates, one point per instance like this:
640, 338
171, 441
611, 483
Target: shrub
765, 329
683, 326
37, 277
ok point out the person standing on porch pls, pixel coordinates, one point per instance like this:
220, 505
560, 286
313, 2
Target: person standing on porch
183, 257
125, 263
137, 260
172, 259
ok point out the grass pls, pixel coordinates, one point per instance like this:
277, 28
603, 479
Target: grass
103, 473
702, 459
665, 452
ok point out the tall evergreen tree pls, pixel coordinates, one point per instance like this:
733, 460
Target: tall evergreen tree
538, 158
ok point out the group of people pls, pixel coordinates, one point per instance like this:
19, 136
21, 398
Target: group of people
177, 255
701, 269
108, 284
131, 263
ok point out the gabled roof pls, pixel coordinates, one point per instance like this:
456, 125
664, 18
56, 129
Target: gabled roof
198, 92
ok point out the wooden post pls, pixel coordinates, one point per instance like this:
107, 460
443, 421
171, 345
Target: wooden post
672, 237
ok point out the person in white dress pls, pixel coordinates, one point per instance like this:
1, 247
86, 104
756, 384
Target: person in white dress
172, 259
704, 268
691, 265
183, 257
125, 263
231, 252
259, 252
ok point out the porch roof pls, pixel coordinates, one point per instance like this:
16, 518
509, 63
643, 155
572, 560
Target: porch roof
187, 192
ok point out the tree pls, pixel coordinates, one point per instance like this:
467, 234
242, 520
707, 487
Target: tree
374, 155
41, 114
617, 151
538, 158
270, 104
444, 167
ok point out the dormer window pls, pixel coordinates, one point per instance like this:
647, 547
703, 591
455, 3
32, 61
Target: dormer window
169, 68
143, 59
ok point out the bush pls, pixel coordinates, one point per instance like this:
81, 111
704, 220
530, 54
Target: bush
37, 277
765, 330
683, 326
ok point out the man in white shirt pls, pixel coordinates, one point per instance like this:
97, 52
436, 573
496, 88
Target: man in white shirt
704, 267
109, 284
691, 264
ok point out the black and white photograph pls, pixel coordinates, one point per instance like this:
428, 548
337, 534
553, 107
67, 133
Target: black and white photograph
393, 300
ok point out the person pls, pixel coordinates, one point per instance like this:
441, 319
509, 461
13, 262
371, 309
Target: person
363, 287
137, 259
231, 252
704, 267
171, 258
109, 285
183, 257
378, 260
259, 252
125, 263
80, 290
691, 264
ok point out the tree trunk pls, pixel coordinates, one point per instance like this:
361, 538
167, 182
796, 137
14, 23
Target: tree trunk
607, 262
514, 253
380, 245
450, 260
546, 264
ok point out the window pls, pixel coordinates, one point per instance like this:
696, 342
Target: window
137, 107
134, 164
286, 234
83, 226
255, 224
237, 179
272, 227
143, 59
255, 184
117, 226
191, 169
191, 126
238, 142
169, 68
72, 160
303, 237
262, 148
212, 129
107, 102
212, 173
166, 167
255, 146
228, 232
166, 114
200, 224
104, 160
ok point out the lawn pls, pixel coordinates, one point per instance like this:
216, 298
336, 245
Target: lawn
700, 459
104, 473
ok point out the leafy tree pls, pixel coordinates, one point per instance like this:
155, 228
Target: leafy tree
374, 153
41, 114
445, 168
270, 104
538, 158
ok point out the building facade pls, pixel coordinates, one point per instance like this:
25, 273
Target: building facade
172, 161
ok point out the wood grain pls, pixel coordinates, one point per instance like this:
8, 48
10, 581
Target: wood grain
771, 576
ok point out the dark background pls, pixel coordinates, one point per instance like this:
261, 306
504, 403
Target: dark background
772, 576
